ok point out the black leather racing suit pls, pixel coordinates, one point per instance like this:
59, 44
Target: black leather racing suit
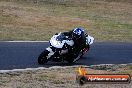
79, 43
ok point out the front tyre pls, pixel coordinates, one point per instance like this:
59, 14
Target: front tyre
42, 59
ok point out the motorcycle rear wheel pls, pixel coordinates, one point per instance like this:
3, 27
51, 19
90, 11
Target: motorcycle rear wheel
42, 59
70, 61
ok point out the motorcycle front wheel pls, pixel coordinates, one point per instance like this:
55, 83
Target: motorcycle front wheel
42, 59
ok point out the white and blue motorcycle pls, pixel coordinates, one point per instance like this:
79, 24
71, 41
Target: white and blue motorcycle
58, 49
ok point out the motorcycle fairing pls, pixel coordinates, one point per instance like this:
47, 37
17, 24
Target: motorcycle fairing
89, 39
50, 52
59, 40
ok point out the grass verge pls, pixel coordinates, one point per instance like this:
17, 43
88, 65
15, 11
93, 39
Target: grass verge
60, 77
106, 20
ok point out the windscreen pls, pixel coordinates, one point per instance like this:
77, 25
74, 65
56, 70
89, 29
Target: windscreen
61, 37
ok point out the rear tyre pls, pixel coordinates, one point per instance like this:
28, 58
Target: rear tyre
42, 59
73, 58
70, 58
70, 61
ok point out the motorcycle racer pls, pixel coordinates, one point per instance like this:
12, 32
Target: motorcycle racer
79, 38
66, 46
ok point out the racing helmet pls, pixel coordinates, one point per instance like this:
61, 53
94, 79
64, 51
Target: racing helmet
77, 33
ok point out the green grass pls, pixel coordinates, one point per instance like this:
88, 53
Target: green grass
105, 20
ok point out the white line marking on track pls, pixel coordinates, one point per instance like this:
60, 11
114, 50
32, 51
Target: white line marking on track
54, 67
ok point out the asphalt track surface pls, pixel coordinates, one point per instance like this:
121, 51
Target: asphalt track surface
21, 55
